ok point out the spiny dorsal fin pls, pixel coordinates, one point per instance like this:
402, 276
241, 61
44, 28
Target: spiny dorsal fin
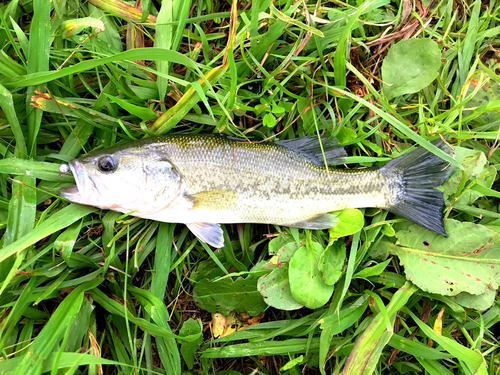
310, 148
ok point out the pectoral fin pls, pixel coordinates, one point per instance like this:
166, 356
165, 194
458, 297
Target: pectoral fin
207, 232
213, 200
323, 221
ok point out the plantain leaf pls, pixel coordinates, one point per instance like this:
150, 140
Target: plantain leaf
466, 261
410, 66
306, 280
275, 289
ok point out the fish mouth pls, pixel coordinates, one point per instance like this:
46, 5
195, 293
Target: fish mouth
82, 191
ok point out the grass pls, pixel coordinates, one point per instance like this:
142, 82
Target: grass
90, 291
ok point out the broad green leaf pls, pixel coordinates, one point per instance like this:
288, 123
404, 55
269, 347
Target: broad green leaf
20, 222
351, 220
410, 66
9, 110
466, 261
433, 367
37, 62
226, 295
190, 327
306, 280
332, 262
163, 39
477, 302
275, 289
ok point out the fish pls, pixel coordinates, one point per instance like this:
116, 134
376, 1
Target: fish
203, 181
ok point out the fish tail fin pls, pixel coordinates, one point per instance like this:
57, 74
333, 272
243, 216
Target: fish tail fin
412, 179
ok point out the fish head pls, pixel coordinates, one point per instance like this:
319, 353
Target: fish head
129, 180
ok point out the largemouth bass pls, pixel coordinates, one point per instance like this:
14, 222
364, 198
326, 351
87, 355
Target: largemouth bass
205, 180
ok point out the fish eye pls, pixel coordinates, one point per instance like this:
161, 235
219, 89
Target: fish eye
106, 164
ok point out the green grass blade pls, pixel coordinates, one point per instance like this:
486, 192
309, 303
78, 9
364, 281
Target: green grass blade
38, 61
54, 330
57, 221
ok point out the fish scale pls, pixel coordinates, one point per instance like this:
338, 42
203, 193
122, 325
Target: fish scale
293, 187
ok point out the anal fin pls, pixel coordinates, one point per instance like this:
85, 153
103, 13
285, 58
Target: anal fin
211, 233
322, 221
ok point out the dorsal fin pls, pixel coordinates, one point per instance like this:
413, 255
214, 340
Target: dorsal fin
310, 148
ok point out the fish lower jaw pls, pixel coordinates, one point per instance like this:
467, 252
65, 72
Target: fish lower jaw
72, 194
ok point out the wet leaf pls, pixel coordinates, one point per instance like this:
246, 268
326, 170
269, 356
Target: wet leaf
275, 289
467, 261
410, 66
332, 262
351, 220
226, 295
306, 280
